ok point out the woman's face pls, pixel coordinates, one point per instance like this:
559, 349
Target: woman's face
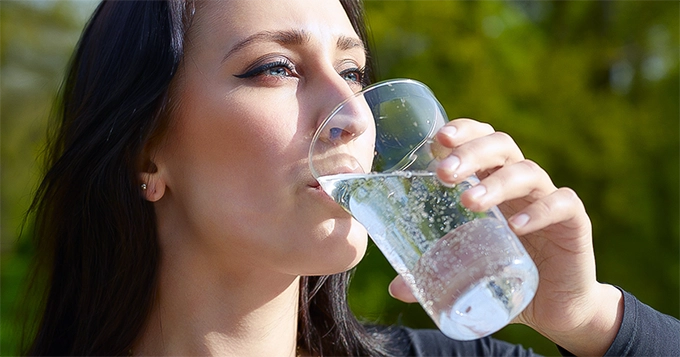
257, 78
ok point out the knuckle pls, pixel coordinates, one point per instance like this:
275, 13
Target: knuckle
503, 136
535, 169
561, 202
568, 193
462, 121
569, 196
574, 210
487, 128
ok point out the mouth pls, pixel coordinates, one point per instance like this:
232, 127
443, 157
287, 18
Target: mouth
315, 188
315, 185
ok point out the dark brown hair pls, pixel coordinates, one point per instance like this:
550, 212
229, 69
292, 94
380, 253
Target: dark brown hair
96, 239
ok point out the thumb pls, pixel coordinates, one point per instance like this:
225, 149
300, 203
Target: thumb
400, 291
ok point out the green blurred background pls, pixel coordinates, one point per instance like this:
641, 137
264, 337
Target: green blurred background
589, 90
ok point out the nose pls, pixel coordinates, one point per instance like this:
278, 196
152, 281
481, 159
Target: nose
344, 137
347, 121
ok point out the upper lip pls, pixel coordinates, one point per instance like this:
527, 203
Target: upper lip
340, 170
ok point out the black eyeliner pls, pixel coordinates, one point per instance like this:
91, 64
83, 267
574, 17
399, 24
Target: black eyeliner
259, 69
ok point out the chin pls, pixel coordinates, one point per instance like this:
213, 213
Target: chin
359, 240
341, 253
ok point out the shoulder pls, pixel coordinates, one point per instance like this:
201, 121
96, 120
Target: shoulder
404, 341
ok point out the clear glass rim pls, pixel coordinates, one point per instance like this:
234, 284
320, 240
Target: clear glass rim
363, 91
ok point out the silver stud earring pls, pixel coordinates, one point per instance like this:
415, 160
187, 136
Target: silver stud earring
143, 186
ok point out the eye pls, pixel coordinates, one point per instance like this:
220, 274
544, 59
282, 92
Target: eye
279, 68
355, 76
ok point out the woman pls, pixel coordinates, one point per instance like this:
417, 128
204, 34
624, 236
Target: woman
179, 216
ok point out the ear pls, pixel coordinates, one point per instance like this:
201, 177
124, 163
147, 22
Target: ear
151, 184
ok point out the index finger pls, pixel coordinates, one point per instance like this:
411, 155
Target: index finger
462, 130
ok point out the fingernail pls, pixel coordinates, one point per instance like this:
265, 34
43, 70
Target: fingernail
389, 290
450, 164
477, 191
449, 131
519, 220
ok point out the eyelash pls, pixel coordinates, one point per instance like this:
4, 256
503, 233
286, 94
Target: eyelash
360, 72
289, 67
260, 70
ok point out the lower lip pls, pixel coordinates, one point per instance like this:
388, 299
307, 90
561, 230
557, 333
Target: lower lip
319, 191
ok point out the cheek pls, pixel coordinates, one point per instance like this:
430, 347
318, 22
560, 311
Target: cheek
225, 169
241, 147
235, 135
261, 128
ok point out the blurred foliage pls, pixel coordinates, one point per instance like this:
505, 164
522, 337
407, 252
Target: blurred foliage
36, 41
589, 90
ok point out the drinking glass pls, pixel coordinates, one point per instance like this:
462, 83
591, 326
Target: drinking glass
376, 156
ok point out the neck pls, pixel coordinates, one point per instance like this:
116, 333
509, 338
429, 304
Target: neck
202, 309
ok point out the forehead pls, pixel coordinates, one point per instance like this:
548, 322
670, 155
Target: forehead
230, 21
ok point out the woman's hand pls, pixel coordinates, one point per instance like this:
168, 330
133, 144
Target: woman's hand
570, 307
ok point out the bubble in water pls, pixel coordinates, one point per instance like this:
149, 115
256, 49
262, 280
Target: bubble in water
471, 299
361, 193
397, 209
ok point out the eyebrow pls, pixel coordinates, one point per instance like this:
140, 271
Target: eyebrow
290, 38
347, 43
